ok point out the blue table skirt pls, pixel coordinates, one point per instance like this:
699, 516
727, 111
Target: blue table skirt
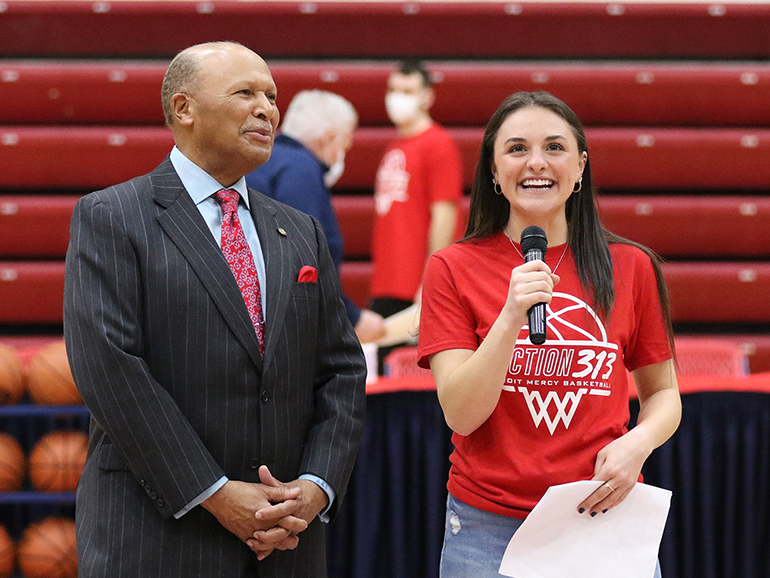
717, 464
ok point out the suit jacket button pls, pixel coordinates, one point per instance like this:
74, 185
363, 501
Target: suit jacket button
153, 495
265, 397
254, 464
147, 489
160, 503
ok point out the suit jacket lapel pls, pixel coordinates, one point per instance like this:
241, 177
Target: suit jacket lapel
276, 251
183, 223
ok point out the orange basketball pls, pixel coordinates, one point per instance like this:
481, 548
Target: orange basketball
7, 553
49, 379
47, 549
11, 375
57, 461
11, 464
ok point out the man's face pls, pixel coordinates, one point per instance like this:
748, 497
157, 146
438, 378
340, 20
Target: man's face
232, 113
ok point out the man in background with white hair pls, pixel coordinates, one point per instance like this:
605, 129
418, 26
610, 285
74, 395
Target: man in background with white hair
307, 160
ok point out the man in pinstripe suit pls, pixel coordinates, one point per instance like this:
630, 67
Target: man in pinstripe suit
190, 419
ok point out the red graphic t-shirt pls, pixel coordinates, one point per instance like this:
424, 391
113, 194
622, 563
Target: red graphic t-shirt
413, 174
562, 401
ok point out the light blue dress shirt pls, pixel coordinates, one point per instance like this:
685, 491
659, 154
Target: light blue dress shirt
201, 187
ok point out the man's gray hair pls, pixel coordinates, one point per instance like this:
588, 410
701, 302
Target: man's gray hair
179, 77
313, 113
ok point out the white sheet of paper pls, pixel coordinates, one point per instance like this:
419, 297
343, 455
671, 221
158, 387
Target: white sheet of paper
556, 541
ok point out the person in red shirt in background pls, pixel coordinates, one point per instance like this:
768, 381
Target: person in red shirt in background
417, 188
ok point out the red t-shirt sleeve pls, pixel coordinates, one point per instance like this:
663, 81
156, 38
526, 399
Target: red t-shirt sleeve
648, 341
446, 170
445, 323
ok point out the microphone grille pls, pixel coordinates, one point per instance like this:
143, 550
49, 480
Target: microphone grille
533, 237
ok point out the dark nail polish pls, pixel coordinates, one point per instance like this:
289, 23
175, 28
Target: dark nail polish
593, 514
581, 510
604, 511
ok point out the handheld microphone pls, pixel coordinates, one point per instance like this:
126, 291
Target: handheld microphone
534, 244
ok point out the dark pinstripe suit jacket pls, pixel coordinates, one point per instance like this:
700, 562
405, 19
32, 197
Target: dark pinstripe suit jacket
165, 356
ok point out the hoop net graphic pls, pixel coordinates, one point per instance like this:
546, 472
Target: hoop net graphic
577, 359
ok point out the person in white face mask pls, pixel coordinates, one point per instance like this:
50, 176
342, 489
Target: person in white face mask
308, 159
418, 185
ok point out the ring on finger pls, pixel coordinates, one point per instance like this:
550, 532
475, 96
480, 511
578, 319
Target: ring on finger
609, 486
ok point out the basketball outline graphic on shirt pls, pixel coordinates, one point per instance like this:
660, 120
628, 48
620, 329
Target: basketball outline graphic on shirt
586, 374
391, 182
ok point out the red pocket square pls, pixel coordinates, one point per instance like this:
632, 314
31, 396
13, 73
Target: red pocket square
307, 274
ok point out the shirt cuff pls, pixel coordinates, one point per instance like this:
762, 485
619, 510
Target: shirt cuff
328, 490
202, 497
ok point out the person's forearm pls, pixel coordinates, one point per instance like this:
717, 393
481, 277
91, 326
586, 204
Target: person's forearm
659, 417
660, 406
443, 223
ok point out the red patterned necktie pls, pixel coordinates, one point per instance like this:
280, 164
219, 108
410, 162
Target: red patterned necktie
238, 255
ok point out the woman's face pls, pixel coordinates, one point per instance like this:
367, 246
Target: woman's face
537, 163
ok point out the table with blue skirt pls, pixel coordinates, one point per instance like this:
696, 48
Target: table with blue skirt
717, 465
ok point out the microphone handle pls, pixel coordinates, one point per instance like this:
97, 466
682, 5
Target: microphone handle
536, 313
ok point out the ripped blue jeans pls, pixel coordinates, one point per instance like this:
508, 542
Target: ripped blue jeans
475, 541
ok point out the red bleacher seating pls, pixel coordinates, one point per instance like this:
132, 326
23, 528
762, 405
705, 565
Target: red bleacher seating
355, 276
725, 226
674, 226
467, 93
755, 347
678, 147
69, 92
687, 227
355, 214
297, 29
41, 157
661, 158
31, 292
35, 226
719, 292
700, 292
610, 92
710, 356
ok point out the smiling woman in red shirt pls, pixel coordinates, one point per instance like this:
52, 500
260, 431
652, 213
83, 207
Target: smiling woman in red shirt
528, 416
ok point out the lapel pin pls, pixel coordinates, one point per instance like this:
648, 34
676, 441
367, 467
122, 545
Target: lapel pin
282, 231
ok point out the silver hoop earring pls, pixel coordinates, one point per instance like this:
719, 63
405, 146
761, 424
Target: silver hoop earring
497, 187
579, 186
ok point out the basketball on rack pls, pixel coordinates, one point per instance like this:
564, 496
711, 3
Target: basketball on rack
57, 461
11, 464
47, 549
11, 376
49, 379
7, 553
